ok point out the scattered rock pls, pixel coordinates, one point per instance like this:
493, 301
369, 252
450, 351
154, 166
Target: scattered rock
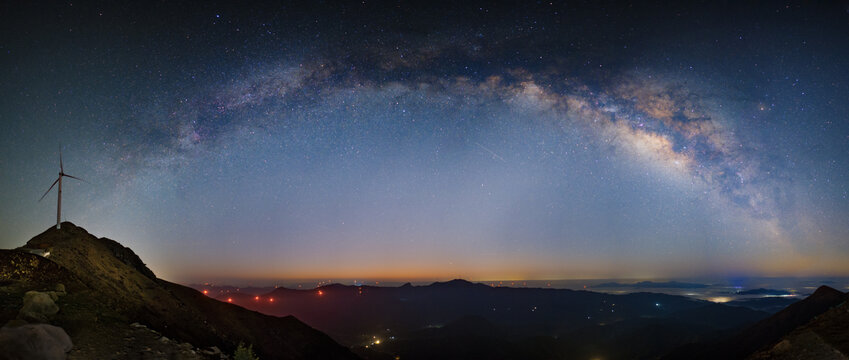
60, 288
164, 340
212, 351
138, 326
38, 306
35, 342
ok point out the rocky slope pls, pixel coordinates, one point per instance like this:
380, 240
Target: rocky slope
824, 337
775, 334
109, 288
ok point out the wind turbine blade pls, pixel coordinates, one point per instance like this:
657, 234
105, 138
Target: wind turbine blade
51, 188
61, 168
74, 177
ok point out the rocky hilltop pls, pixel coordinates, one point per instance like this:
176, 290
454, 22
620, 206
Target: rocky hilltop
112, 306
812, 328
824, 337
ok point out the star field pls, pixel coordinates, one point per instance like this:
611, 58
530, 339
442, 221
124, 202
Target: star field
355, 140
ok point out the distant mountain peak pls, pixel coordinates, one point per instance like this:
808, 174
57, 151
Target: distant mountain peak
826, 291
334, 286
457, 283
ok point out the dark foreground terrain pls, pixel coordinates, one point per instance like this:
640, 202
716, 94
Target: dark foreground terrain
463, 320
113, 306
95, 299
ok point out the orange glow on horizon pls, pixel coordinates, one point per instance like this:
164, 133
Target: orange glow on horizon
270, 299
320, 293
542, 267
256, 298
229, 299
512, 268
206, 292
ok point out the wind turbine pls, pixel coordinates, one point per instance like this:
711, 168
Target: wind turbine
59, 180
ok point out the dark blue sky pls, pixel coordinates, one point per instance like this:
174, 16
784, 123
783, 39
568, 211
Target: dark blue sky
360, 140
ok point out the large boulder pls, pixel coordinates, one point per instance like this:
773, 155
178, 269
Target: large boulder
38, 307
34, 342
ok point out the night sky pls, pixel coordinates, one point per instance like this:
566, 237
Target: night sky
431, 141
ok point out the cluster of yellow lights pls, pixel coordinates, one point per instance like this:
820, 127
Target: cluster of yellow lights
720, 299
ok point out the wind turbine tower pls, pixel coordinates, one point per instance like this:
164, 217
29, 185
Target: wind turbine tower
59, 181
